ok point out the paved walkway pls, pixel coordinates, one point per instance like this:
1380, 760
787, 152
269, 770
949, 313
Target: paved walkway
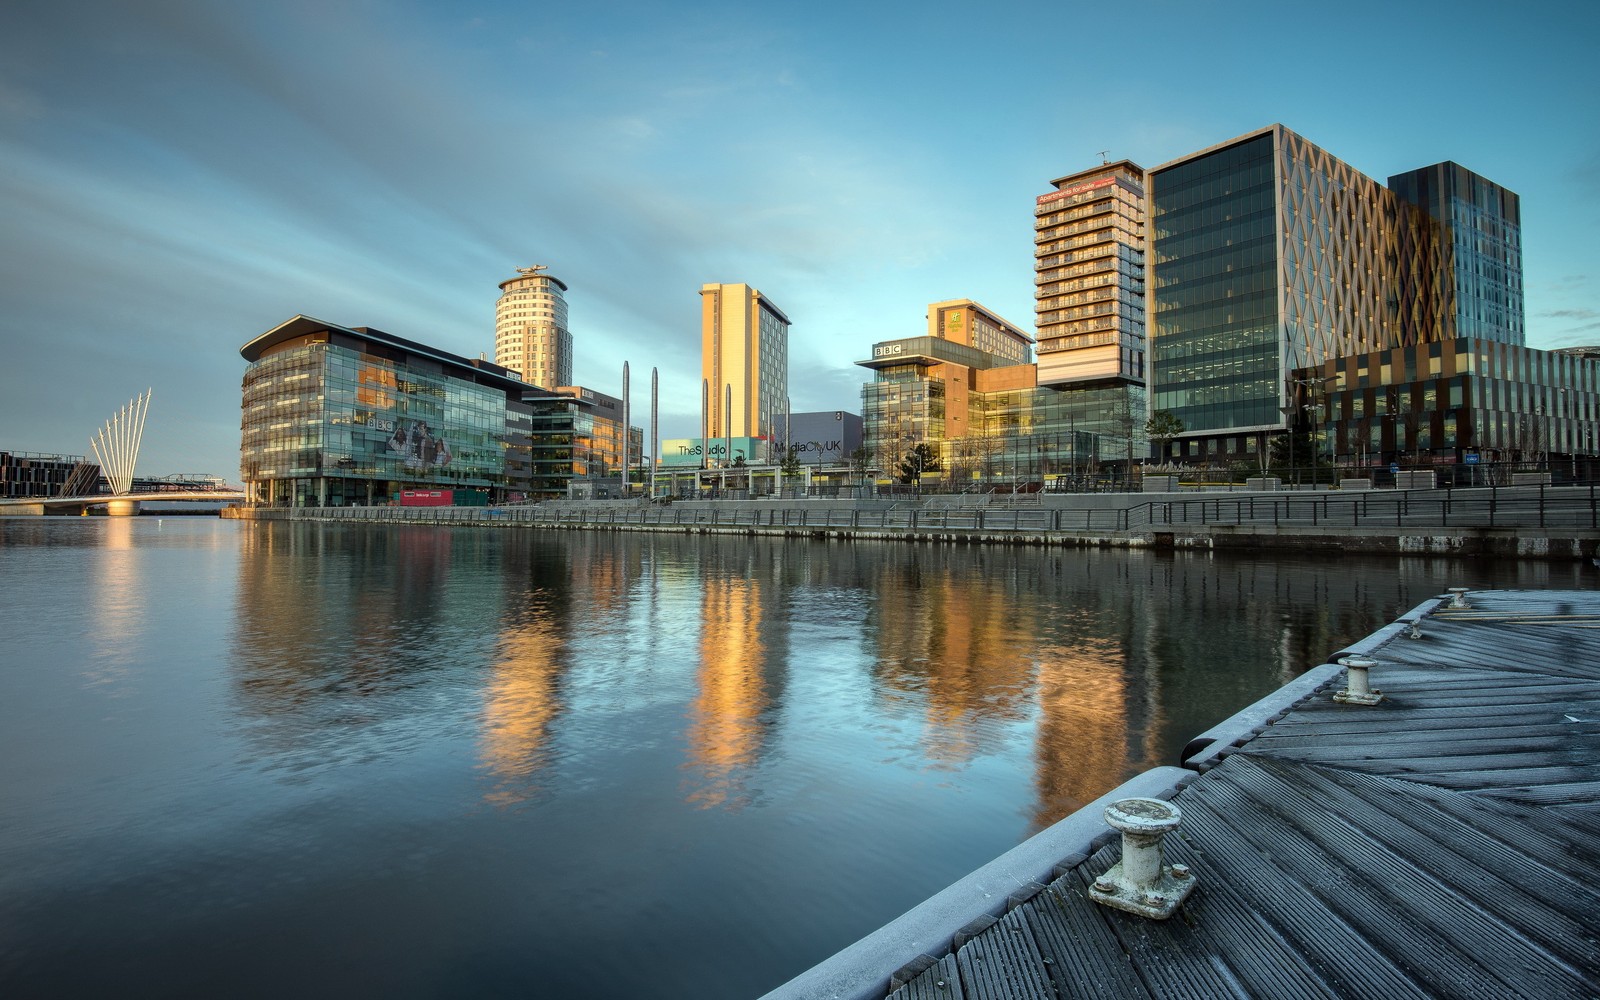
1443, 843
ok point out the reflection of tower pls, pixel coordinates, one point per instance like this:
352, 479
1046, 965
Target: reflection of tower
724, 734
520, 703
962, 639
1082, 744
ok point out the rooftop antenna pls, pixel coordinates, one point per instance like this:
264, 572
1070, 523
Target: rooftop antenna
1103, 154
528, 272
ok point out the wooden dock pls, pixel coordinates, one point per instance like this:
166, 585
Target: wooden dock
1442, 843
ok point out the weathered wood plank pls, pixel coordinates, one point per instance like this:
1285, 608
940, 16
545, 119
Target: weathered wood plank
1003, 963
1413, 895
1345, 958
1081, 953
939, 982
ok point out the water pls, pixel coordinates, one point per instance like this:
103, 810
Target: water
290, 759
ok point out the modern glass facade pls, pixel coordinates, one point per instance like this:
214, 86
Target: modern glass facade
989, 421
1482, 236
1270, 257
1435, 404
334, 416
29, 474
1216, 344
577, 434
902, 407
1033, 433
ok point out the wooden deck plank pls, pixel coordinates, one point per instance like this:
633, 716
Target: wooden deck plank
938, 982
1546, 738
1169, 968
1551, 908
1346, 958
1081, 953
1437, 962
1443, 843
1428, 896
1545, 835
1003, 963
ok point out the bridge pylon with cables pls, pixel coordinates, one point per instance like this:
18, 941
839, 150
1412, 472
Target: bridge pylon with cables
116, 445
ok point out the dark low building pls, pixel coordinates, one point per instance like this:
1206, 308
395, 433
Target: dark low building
30, 474
333, 416
1465, 401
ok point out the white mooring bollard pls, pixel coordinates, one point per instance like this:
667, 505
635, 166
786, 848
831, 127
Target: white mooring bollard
1458, 597
1358, 689
1142, 882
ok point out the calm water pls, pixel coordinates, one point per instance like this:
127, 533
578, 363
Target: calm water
277, 759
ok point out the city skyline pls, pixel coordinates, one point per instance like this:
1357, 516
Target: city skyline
180, 177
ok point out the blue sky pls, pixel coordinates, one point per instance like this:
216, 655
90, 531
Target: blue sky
179, 176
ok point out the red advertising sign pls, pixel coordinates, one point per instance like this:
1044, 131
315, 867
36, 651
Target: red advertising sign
1075, 189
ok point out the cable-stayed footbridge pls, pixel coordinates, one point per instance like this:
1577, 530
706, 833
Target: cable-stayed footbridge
116, 446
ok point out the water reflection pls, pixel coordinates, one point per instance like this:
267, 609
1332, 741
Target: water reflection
447, 737
522, 695
118, 608
742, 660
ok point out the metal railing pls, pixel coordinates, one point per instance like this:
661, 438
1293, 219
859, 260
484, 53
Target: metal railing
1539, 507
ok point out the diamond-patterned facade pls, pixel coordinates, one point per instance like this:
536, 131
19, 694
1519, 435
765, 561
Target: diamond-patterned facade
1269, 255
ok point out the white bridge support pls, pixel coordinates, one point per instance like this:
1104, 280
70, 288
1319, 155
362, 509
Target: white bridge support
117, 448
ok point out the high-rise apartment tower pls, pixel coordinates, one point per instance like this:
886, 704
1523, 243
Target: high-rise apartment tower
1089, 277
744, 343
530, 328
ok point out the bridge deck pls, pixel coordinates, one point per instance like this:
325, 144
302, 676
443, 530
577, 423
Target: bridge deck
1440, 844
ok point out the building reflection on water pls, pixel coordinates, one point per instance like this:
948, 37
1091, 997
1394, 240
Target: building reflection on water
1092, 665
742, 658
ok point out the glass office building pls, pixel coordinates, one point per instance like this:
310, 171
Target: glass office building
1435, 404
577, 435
1270, 256
333, 416
1481, 230
989, 420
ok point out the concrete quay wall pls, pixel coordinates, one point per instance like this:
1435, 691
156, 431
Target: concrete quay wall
1527, 542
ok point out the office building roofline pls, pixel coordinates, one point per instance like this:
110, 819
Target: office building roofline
1197, 154
304, 326
1093, 171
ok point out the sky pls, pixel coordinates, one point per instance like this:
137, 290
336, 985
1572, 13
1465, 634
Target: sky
179, 176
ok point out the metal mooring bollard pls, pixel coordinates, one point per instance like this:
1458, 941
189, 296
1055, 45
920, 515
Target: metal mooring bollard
1458, 597
1141, 882
1358, 691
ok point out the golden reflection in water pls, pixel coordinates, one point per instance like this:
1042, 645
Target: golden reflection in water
1082, 745
521, 703
964, 643
118, 607
725, 730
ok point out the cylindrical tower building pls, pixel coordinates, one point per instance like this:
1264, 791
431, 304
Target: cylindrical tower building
530, 328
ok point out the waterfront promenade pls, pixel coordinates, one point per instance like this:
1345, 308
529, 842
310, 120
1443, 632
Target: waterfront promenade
1518, 522
1441, 843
